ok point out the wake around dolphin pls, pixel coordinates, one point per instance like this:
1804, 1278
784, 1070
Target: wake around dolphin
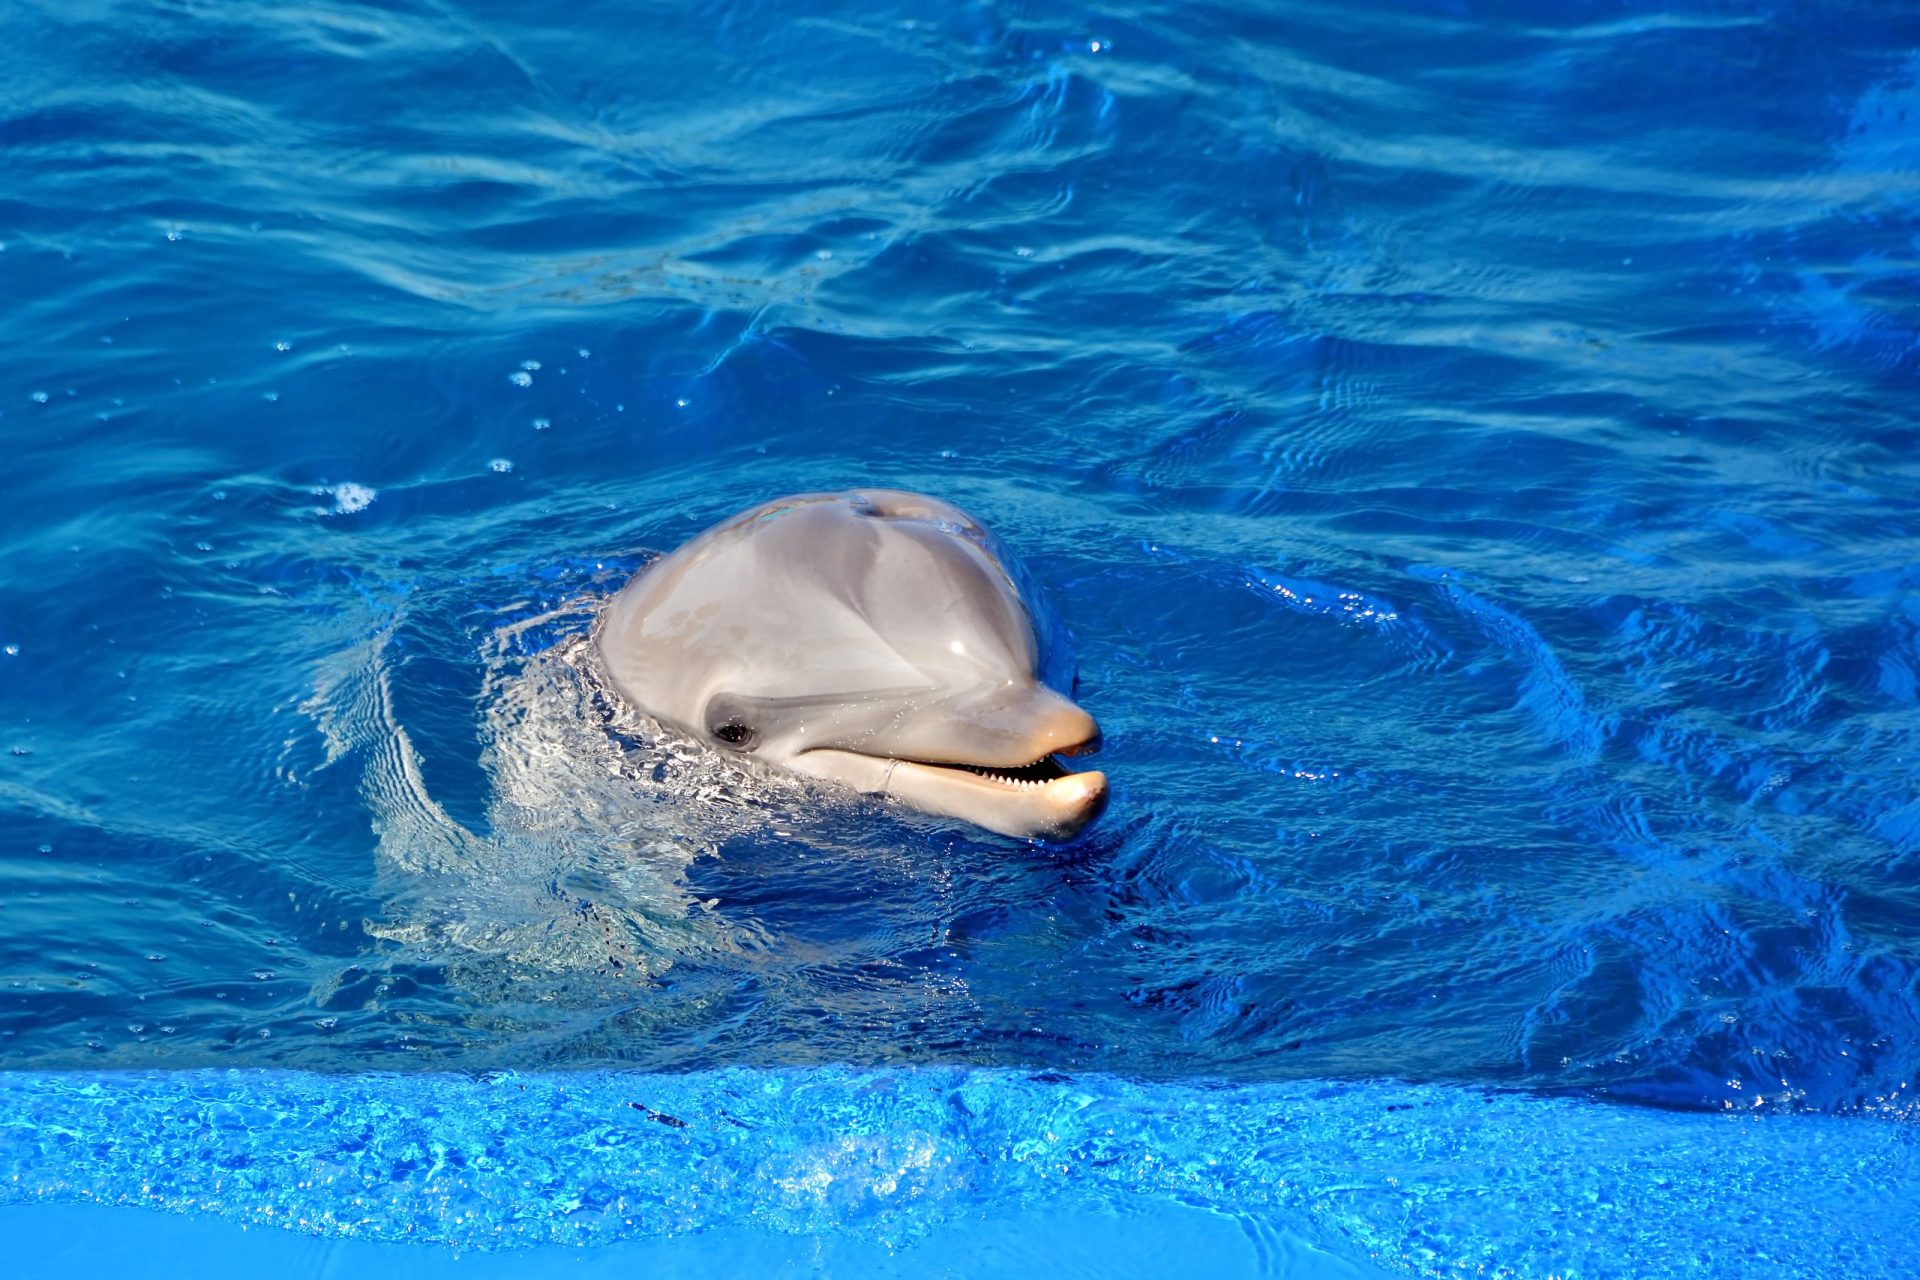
876, 639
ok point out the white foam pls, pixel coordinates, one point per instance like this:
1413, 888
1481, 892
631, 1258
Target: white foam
349, 498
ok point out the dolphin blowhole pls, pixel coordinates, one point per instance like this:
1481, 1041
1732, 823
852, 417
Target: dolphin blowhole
875, 639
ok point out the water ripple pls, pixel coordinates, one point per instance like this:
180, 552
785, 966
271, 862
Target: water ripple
1473, 453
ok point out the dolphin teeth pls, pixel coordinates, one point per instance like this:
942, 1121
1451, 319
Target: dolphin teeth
1037, 773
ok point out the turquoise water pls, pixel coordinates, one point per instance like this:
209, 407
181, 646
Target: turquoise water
1470, 445
960, 1172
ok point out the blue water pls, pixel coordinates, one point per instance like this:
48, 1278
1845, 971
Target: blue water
940, 1166
1471, 445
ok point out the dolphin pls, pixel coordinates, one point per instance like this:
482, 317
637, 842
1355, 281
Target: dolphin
876, 639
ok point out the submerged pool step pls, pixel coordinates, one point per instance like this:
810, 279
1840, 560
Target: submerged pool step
946, 1170
1146, 1243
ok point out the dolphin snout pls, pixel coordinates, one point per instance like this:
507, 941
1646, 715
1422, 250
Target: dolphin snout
1089, 746
1065, 728
1005, 727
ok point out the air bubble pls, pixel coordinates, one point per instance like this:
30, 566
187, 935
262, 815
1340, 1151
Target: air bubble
520, 378
541, 424
349, 498
530, 365
283, 345
39, 397
502, 465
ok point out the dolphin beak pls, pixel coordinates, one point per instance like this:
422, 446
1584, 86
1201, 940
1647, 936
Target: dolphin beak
999, 727
988, 759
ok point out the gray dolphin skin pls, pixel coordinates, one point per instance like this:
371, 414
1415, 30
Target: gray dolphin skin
873, 638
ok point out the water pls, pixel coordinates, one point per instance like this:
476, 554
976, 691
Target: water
1015, 1172
1471, 446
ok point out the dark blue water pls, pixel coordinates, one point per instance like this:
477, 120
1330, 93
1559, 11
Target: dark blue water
1472, 446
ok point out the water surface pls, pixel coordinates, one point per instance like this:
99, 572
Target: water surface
1471, 444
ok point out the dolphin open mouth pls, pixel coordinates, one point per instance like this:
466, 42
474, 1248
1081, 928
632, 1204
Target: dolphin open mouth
1035, 774
1040, 799
1009, 779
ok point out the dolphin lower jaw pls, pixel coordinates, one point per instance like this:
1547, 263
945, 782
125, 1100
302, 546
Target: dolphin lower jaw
1038, 800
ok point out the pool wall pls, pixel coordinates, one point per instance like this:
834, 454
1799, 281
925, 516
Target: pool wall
953, 1171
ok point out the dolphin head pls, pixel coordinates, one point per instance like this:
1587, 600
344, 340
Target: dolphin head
877, 639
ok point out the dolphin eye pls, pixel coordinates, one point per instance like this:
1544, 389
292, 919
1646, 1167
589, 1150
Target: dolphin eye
735, 734
734, 720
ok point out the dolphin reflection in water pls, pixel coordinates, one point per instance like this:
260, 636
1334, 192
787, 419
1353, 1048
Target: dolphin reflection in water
876, 639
